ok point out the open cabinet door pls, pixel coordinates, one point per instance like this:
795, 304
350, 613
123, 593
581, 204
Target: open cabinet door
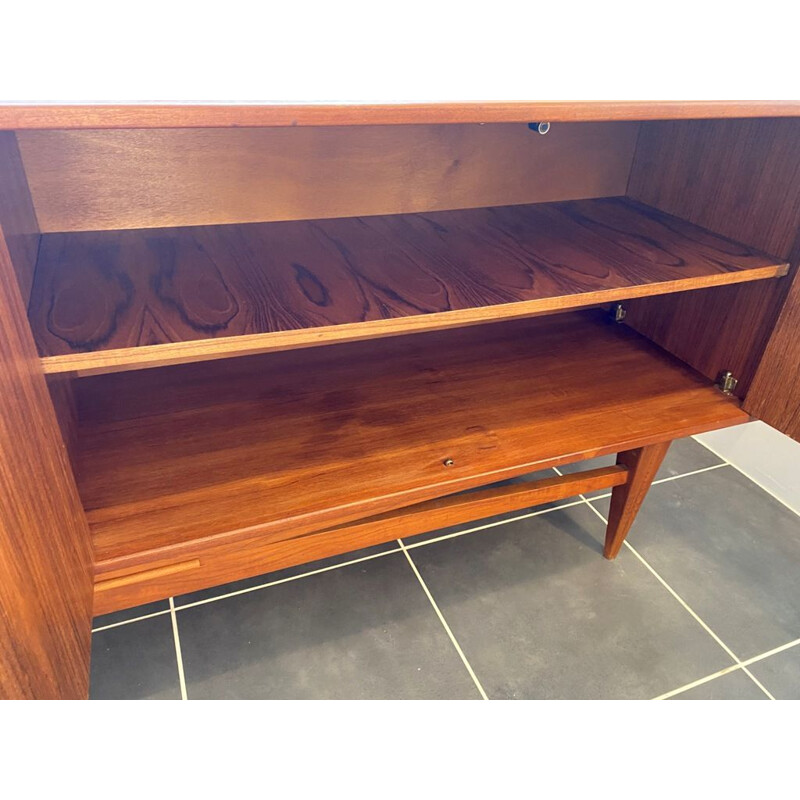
739, 178
45, 547
774, 395
45, 556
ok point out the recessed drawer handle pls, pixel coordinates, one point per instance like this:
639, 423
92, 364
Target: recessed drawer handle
146, 575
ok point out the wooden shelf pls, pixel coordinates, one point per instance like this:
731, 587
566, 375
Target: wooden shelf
123, 300
276, 446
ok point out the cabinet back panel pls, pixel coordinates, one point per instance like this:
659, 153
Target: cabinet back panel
739, 178
109, 179
17, 218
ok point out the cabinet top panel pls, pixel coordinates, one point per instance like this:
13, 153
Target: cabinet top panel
13, 116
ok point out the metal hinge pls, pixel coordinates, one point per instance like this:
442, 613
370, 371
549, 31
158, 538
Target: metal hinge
617, 313
726, 382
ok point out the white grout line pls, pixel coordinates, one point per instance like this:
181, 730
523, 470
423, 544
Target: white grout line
685, 605
128, 621
477, 528
491, 525
404, 548
286, 580
337, 566
773, 652
728, 670
687, 474
699, 682
672, 592
181, 678
669, 478
443, 620
697, 618
758, 683
748, 476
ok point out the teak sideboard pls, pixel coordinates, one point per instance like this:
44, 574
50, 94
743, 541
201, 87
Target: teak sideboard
236, 339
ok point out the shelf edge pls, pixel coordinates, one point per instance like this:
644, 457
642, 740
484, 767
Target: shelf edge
162, 355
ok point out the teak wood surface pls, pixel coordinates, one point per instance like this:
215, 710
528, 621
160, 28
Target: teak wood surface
225, 561
641, 464
105, 301
120, 179
739, 178
471, 505
201, 473
289, 443
20, 227
202, 116
45, 548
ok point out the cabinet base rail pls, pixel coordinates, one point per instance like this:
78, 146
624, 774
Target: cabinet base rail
117, 588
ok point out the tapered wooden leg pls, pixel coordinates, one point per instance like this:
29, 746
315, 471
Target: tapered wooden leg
642, 464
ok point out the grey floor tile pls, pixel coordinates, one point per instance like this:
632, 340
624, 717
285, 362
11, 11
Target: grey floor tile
130, 613
269, 577
780, 674
362, 631
684, 455
540, 613
733, 686
531, 476
730, 551
135, 662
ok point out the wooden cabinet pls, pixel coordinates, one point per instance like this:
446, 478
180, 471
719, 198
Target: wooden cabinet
239, 339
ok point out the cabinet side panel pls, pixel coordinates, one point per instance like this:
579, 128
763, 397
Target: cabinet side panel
62, 395
45, 548
101, 180
17, 216
739, 178
774, 395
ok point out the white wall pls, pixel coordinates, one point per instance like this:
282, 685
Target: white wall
768, 457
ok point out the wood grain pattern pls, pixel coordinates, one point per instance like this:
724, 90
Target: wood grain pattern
189, 116
290, 443
17, 217
62, 396
738, 178
123, 582
45, 548
470, 506
774, 395
115, 590
106, 180
311, 283
642, 465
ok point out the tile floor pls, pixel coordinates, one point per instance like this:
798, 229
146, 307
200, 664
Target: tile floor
702, 603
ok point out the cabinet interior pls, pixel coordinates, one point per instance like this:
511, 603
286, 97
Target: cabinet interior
178, 461
180, 283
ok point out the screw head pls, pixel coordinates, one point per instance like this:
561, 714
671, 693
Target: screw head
448, 462
539, 127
